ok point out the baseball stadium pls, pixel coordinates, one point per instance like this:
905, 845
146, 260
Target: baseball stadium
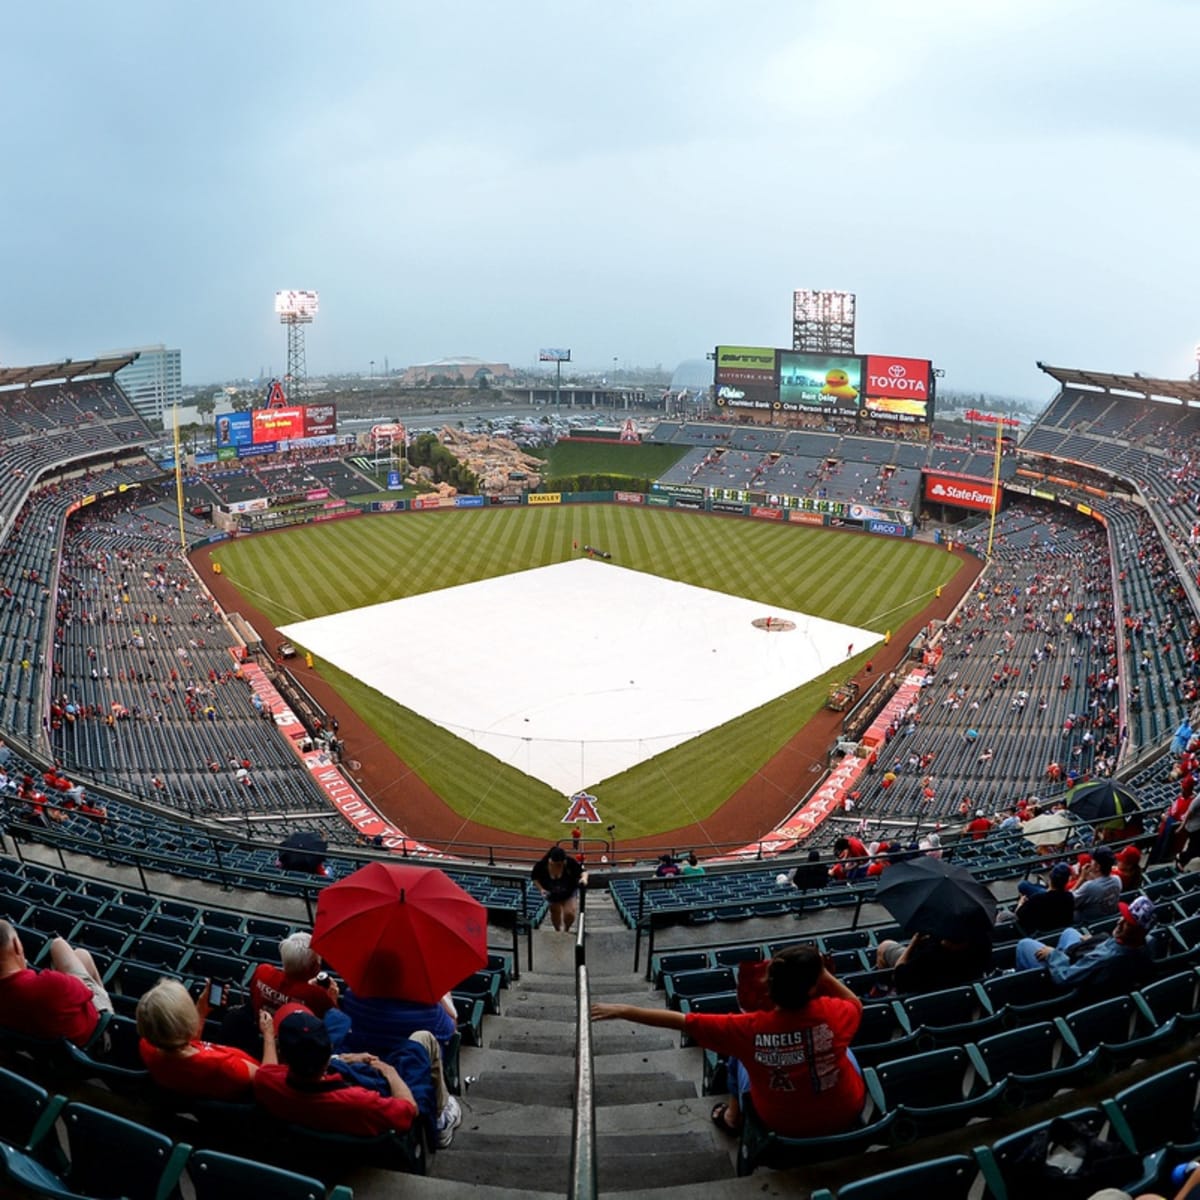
796, 678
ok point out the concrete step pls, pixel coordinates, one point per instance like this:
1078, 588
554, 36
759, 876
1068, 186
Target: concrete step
645, 1086
625, 1160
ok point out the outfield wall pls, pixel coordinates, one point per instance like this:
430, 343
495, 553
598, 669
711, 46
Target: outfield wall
884, 522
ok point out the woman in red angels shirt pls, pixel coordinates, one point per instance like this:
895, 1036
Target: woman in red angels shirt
793, 1058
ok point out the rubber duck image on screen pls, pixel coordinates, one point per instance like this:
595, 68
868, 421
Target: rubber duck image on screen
825, 381
837, 384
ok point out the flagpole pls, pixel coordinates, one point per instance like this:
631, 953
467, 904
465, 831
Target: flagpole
995, 486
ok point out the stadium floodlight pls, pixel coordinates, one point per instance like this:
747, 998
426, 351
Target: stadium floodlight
296, 307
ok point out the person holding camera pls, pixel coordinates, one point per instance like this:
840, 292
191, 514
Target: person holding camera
169, 1026
297, 980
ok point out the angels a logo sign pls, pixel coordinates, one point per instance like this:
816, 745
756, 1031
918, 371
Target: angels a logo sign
583, 809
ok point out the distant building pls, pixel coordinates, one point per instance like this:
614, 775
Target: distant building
463, 371
153, 381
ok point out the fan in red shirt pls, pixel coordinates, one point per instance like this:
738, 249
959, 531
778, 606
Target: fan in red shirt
169, 1025
304, 1091
979, 826
851, 855
271, 988
793, 1058
63, 1002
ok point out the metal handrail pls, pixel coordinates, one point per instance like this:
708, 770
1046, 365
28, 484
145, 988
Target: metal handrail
583, 1183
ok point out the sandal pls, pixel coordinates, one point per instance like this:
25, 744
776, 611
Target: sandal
718, 1115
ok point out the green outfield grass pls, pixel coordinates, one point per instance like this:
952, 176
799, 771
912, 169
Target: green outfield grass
307, 572
611, 458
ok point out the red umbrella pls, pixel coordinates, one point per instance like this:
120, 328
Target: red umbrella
396, 930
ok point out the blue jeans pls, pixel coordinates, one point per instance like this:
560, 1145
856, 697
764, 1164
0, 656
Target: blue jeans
1026, 888
1027, 948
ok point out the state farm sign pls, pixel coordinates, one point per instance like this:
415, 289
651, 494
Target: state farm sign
897, 378
960, 492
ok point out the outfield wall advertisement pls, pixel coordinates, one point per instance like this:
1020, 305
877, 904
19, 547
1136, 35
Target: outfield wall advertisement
963, 493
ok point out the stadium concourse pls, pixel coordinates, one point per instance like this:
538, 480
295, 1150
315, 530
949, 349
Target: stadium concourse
117, 665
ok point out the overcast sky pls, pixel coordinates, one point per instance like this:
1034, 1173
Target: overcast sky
638, 180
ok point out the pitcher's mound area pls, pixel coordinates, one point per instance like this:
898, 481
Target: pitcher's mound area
573, 673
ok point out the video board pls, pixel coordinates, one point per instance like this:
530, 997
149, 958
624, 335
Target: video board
824, 382
898, 389
858, 387
262, 427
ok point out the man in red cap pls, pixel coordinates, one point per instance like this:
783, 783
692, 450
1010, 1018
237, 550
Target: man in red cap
1098, 967
310, 1088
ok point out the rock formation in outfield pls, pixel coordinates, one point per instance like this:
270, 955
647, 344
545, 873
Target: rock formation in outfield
495, 460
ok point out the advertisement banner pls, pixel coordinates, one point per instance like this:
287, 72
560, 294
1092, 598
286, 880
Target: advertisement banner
865, 512
507, 498
629, 497
767, 514
824, 381
682, 489
226, 453
898, 389
754, 365
959, 492
743, 396
234, 429
277, 424
659, 501
728, 506
468, 501
393, 481
554, 354
320, 420
685, 503
890, 528
383, 432
806, 518
317, 494
255, 449
545, 497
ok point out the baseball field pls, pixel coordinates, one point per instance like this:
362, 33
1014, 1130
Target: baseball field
873, 582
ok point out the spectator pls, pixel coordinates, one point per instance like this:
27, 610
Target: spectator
297, 982
1099, 889
382, 1023
64, 1001
1040, 909
357, 1094
667, 868
928, 963
811, 875
1098, 967
558, 878
851, 855
1129, 867
169, 1025
978, 827
691, 865
805, 1094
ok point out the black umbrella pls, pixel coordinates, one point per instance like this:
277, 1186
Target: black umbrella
303, 850
1102, 800
929, 895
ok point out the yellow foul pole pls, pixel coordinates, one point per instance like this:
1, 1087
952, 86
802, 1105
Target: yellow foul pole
179, 483
995, 485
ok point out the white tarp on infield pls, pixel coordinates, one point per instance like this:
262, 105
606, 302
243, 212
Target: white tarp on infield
576, 672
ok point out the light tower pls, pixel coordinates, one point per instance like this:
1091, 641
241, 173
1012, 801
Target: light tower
295, 310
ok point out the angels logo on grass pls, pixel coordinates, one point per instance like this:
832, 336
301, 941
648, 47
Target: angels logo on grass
583, 808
